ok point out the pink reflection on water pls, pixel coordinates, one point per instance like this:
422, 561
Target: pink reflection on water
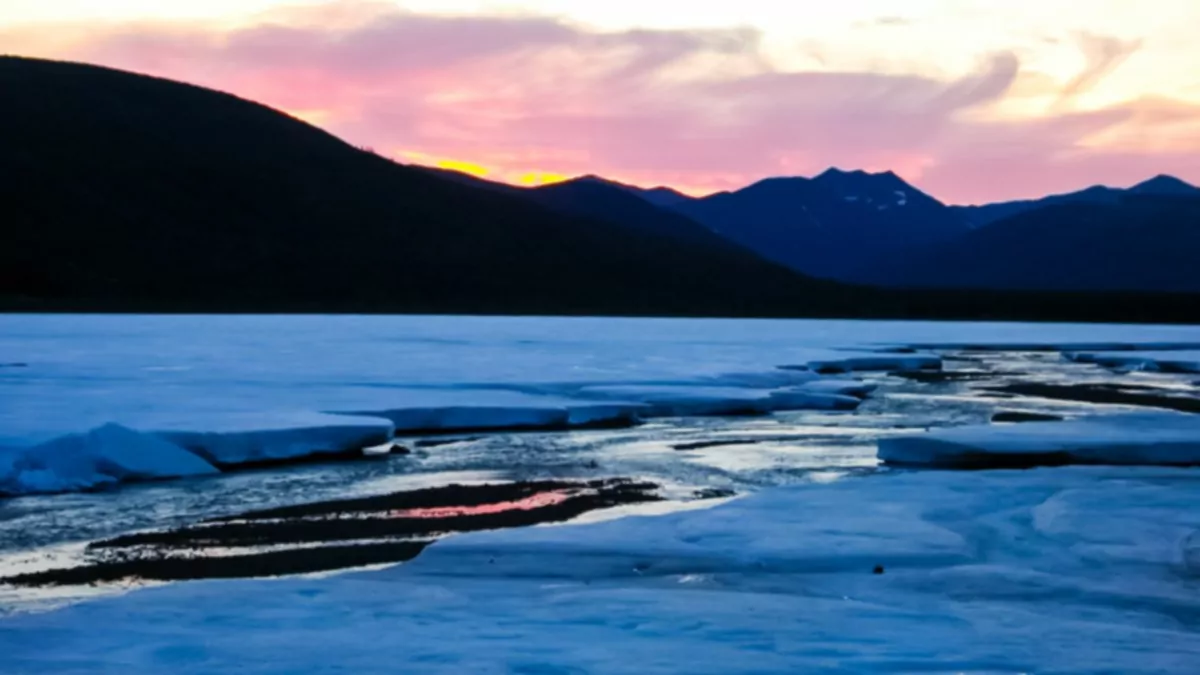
537, 501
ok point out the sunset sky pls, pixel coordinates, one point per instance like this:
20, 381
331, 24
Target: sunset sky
971, 100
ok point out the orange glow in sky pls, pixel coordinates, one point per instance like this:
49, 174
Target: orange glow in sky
464, 167
971, 100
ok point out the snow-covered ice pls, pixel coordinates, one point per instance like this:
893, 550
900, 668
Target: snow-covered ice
221, 384
474, 418
112, 453
1178, 361
232, 441
104, 456
1068, 570
1126, 439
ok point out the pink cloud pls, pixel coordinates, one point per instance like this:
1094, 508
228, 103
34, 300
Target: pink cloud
697, 109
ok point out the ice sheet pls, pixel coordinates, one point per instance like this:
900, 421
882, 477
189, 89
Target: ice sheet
1072, 570
187, 373
231, 441
1127, 439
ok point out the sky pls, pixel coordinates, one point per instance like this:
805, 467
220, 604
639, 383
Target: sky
970, 100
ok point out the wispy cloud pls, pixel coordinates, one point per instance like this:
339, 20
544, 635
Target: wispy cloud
1104, 54
703, 109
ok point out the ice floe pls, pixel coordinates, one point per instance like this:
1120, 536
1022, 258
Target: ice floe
101, 457
258, 439
483, 418
1127, 439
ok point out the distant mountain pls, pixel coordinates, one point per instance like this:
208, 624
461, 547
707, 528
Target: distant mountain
659, 196
1165, 185
1142, 239
603, 200
836, 225
613, 203
979, 216
128, 192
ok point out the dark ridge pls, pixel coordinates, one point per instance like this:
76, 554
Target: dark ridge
274, 563
843, 369
624, 421
333, 529
1055, 348
429, 498
1017, 416
1173, 368
957, 305
437, 442
986, 461
937, 377
714, 493
700, 445
184, 553
1104, 393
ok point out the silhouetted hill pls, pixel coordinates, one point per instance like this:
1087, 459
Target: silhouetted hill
612, 203
978, 216
1163, 184
1140, 241
128, 191
835, 225
605, 201
658, 196
122, 192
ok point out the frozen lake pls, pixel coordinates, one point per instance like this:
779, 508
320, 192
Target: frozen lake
68, 373
787, 415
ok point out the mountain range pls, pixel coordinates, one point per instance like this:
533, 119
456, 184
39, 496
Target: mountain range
1097, 194
837, 225
1138, 241
124, 192
876, 229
